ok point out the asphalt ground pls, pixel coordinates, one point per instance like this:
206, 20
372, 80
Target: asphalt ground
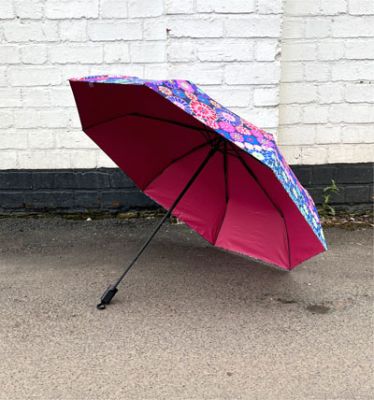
189, 322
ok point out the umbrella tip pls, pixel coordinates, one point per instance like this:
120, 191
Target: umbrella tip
107, 297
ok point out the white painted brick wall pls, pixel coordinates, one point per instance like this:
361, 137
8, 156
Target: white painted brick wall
327, 81
317, 93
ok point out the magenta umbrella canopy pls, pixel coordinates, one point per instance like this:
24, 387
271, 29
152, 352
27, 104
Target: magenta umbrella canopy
246, 199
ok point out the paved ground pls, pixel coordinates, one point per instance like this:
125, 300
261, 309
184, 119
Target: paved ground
191, 322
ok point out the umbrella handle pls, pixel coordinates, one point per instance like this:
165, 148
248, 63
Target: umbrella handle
107, 297
111, 291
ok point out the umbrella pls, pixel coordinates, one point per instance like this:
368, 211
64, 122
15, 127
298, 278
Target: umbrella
218, 173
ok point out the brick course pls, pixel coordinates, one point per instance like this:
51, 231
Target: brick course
326, 90
109, 190
301, 69
230, 48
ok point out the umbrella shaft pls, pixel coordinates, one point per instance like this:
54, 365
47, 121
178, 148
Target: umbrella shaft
169, 212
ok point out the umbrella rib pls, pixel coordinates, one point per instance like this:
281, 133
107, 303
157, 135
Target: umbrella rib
195, 128
241, 159
189, 152
225, 171
169, 121
225, 166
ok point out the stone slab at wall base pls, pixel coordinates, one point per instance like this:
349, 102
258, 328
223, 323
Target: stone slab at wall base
109, 190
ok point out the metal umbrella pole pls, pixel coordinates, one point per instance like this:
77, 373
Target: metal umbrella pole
111, 291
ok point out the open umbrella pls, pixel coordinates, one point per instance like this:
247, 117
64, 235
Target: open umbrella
221, 175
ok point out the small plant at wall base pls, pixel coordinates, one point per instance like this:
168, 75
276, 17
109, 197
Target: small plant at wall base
327, 209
